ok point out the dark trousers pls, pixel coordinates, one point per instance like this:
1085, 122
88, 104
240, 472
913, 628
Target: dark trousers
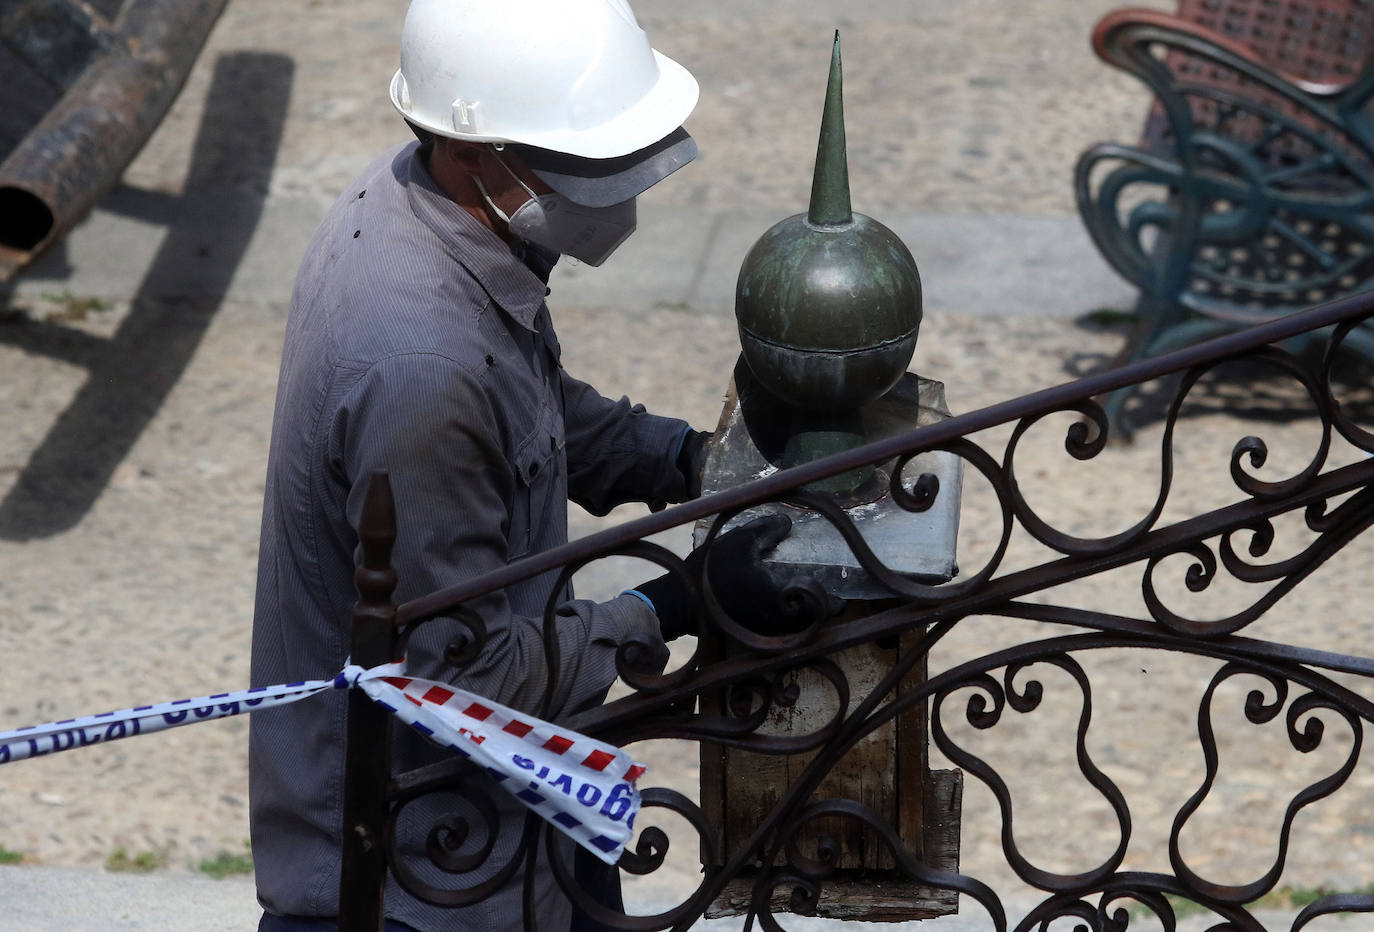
601, 882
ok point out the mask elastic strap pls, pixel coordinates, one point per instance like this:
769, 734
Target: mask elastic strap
510, 171
487, 197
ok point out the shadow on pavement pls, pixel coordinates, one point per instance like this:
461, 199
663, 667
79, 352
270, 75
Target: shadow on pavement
131, 373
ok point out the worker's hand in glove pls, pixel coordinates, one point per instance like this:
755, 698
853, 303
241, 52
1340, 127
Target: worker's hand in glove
745, 589
692, 458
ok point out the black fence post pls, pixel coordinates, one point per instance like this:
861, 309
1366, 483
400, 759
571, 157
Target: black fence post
367, 765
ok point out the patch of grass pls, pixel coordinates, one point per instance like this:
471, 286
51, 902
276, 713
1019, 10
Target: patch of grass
1108, 317
10, 857
70, 307
121, 861
1183, 908
227, 864
1285, 898
1298, 897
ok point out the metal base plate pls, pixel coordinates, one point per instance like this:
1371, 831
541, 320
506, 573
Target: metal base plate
748, 445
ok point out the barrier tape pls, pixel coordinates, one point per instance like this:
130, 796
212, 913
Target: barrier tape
585, 787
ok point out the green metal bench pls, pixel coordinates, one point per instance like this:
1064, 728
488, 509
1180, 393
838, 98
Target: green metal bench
1251, 193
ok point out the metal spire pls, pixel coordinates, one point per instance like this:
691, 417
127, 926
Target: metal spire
830, 185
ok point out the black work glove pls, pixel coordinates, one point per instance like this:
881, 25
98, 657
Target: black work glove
743, 587
691, 459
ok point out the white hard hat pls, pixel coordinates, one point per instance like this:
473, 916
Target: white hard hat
570, 76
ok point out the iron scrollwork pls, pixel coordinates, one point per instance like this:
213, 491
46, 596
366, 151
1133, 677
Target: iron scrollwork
758, 674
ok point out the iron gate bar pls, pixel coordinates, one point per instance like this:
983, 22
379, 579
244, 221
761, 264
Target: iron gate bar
924, 438
362, 880
1235, 644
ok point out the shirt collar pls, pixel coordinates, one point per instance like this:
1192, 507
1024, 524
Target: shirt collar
483, 254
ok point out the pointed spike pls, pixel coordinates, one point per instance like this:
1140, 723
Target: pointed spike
830, 185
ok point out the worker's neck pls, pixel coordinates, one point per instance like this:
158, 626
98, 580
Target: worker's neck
455, 180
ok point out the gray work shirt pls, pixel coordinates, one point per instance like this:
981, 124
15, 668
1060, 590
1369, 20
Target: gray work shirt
420, 344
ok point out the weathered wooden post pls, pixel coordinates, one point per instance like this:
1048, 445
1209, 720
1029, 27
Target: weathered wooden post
829, 305
367, 763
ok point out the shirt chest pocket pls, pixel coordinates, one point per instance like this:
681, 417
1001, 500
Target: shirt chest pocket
539, 507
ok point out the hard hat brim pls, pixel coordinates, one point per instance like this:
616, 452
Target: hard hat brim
603, 182
667, 105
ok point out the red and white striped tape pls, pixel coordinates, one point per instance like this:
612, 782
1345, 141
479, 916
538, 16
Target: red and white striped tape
584, 787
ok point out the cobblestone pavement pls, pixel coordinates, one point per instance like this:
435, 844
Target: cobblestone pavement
975, 108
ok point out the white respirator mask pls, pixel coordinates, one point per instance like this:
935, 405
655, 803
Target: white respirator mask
588, 234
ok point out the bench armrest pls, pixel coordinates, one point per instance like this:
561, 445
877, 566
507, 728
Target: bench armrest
1120, 35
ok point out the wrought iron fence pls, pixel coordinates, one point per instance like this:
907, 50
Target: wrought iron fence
723, 694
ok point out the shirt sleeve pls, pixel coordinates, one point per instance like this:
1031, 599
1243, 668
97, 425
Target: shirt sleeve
618, 452
431, 425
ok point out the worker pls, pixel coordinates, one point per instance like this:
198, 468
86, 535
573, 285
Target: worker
419, 342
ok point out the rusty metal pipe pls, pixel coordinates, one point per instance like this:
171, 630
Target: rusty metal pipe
81, 147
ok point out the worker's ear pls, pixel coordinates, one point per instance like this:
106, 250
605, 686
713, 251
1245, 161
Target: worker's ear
465, 155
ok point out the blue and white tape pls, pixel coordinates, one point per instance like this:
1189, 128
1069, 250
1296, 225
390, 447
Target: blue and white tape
584, 787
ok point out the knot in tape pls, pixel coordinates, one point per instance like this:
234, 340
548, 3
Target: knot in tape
348, 677
352, 674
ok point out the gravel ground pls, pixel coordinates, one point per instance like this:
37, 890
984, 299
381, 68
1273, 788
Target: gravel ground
977, 108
